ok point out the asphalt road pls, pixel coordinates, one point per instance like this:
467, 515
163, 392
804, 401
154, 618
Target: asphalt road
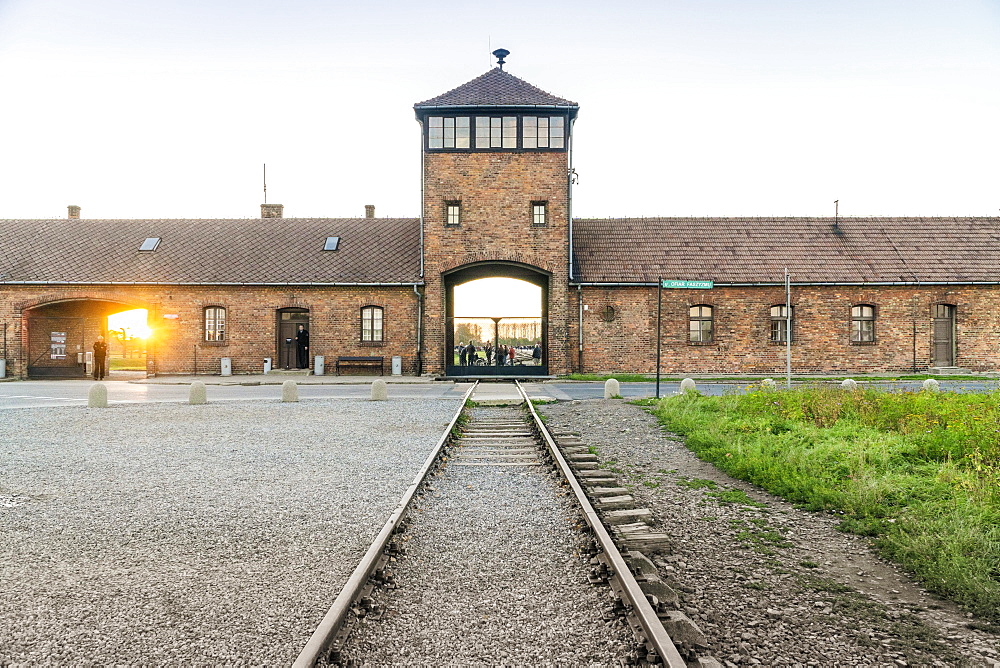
41, 393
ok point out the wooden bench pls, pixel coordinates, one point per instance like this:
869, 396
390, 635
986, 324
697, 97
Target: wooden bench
362, 361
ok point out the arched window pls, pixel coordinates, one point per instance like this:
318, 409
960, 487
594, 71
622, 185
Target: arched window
371, 324
779, 324
215, 323
863, 323
701, 329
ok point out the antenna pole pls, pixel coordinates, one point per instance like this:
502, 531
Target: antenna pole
265, 183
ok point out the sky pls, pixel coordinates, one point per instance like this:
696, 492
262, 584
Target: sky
139, 109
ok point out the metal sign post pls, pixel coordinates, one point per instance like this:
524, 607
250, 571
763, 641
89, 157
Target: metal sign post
672, 284
659, 310
788, 330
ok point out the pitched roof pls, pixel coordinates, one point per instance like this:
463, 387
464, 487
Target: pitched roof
269, 250
496, 88
757, 250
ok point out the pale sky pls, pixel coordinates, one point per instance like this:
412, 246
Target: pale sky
140, 109
498, 298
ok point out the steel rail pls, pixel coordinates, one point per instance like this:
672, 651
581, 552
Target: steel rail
656, 635
319, 642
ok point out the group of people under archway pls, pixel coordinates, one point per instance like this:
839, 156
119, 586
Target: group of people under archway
504, 355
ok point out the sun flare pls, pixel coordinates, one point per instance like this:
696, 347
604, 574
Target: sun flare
133, 322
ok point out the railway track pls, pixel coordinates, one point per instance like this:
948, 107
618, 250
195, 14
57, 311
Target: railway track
481, 537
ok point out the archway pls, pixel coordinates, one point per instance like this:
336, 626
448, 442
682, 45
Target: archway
497, 306
60, 338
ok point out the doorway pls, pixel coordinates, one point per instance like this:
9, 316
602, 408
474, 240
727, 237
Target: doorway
501, 309
943, 344
289, 320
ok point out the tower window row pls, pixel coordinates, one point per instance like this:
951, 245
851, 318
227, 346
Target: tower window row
529, 132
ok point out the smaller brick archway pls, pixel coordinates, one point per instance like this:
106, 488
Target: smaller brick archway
57, 335
494, 269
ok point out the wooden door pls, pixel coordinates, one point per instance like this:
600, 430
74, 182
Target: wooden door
943, 345
288, 324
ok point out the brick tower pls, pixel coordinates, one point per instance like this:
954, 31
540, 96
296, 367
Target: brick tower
496, 201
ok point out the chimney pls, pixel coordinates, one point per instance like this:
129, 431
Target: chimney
74, 211
369, 210
272, 210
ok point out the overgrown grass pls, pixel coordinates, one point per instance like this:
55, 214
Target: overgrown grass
919, 472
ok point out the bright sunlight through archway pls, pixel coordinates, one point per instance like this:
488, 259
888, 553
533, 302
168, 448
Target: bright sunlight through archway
134, 323
498, 298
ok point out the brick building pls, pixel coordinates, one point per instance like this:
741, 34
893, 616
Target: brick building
867, 294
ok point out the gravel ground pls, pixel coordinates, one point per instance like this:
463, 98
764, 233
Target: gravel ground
491, 577
192, 535
772, 585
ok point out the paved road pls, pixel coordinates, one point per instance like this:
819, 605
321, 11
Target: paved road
40, 393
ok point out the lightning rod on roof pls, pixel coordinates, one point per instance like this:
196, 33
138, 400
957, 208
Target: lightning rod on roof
501, 54
265, 183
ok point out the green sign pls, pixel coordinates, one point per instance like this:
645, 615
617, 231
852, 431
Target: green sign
697, 285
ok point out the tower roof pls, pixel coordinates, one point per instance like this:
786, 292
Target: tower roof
496, 88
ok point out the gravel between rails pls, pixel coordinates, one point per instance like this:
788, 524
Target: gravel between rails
771, 585
491, 577
160, 534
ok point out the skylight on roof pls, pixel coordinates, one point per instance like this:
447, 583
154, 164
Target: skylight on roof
331, 243
150, 244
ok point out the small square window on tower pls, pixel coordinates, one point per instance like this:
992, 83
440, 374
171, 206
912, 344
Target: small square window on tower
539, 214
453, 212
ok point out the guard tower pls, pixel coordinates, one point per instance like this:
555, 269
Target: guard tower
496, 170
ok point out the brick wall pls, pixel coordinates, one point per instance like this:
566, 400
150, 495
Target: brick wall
496, 190
251, 322
821, 330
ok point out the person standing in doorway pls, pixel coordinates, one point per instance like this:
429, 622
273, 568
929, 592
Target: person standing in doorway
302, 347
100, 358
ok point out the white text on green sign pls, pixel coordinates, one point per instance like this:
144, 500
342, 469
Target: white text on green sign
698, 285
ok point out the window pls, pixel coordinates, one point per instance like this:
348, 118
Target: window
331, 244
371, 323
779, 324
453, 212
701, 324
498, 132
543, 132
863, 324
447, 132
538, 214
215, 323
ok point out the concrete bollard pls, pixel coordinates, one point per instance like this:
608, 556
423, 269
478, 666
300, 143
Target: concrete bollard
687, 385
612, 388
768, 384
197, 395
849, 384
931, 385
289, 391
97, 397
380, 391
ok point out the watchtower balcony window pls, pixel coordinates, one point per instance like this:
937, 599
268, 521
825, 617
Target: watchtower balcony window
543, 132
448, 132
500, 132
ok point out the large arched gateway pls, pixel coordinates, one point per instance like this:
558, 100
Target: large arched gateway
489, 307
59, 337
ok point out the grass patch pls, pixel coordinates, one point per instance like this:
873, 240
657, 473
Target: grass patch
917, 471
543, 402
127, 364
696, 483
620, 377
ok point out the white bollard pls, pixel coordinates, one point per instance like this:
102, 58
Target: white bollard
97, 397
380, 391
931, 385
687, 385
611, 389
849, 384
197, 395
289, 391
768, 384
